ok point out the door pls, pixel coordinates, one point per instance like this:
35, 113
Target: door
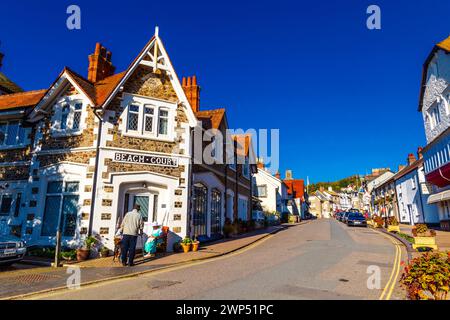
200, 208
143, 202
410, 213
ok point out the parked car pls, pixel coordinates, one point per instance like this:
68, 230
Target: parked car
356, 219
12, 250
344, 217
338, 215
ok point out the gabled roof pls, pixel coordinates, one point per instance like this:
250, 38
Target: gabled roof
156, 52
216, 116
7, 85
444, 45
21, 99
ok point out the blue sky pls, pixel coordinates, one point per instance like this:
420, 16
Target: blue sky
344, 97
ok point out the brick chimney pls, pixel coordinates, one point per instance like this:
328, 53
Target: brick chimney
192, 91
100, 65
278, 175
411, 158
419, 152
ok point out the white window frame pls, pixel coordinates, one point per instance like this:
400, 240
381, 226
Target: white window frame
71, 102
435, 116
26, 132
157, 106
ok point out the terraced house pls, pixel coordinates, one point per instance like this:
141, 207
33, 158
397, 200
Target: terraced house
81, 153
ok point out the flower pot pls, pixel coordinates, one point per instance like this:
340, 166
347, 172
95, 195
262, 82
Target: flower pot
392, 228
83, 254
195, 245
424, 242
186, 247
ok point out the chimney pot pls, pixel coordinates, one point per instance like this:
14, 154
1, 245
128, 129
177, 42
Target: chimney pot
1, 60
98, 47
192, 91
419, 152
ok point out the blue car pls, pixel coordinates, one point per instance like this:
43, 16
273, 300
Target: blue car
12, 250
356, 219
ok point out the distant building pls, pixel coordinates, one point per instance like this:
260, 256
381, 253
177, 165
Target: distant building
270, 190
296, 194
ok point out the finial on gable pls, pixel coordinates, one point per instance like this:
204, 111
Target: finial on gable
156, 31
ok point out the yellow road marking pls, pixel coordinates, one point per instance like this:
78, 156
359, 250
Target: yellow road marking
390, 285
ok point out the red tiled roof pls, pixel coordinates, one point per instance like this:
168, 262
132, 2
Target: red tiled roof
216, 116
21, 99
99, 91
295, 187
106, 86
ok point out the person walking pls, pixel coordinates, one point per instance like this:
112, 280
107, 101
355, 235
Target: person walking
131, 227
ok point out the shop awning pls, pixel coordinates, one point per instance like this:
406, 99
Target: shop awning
441, 196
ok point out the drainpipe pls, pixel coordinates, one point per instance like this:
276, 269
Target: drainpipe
94, 184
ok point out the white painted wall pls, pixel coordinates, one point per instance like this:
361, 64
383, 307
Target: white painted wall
276, 191
437, 94
412, 203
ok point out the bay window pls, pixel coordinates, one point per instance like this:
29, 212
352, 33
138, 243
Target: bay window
148, 120
61, 202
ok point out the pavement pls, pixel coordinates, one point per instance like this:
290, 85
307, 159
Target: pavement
442, 237
23, 279
322, 259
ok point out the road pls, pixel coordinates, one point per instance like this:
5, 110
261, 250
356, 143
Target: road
323, 259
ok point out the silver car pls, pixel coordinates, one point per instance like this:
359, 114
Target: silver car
12, 250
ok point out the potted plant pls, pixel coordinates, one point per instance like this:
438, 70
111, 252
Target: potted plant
423, 237
104, 252
393, 225
69, 255
84, 251
427, 277
186, 244
378, 221
195, 244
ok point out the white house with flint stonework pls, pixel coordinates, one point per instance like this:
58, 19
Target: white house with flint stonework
434, 104
81, 153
